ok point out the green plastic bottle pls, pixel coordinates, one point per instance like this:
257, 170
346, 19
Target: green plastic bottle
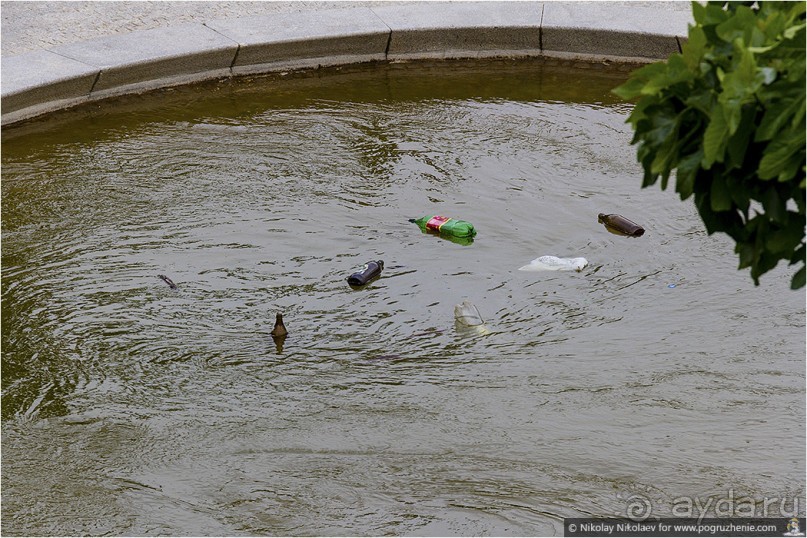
446, 226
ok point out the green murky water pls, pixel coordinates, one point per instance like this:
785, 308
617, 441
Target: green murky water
132, 408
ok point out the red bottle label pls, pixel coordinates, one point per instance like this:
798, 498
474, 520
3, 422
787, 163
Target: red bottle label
436, 222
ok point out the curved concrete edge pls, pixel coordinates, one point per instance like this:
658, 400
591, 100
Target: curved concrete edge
44, 81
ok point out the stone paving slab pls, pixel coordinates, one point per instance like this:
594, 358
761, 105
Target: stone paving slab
616, 31
43, 77
187, 51
306, 39
462, 30
41, 81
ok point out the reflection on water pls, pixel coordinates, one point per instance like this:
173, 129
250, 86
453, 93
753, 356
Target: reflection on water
133, 408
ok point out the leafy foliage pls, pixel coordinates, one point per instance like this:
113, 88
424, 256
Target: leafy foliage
728, 115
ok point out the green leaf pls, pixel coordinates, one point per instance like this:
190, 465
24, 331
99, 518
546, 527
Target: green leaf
774, 206
641, 81
777, 116
677, 71
667, 152
739, 87
639, 114
686, 173
740, 26
630, 89
763, 50
714, 139
645, 156
701, 99
698, 13
765, 263
798, 280
662, 126
748, 254
720, 197
772, 24
662, 76
716, 221
738, 143
793, 31
799, 255
740, 196
784, 241
694, 49
782, 157
712, 15
798, 117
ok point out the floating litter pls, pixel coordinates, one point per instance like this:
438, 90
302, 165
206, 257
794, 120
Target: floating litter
553, 263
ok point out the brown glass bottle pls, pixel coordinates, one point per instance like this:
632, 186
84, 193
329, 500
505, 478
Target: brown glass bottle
619, 225
279, 333
280, 328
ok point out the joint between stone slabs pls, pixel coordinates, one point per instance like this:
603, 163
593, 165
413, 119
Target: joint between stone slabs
389, 41
389, 34
541, 30
237, 46
235, 59
95, 82
97, 73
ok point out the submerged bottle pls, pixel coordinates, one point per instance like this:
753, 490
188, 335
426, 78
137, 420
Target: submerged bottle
619, 225
467, 319
368, 272
279, 332
467, 314
280, 329
446, 225
168, 281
